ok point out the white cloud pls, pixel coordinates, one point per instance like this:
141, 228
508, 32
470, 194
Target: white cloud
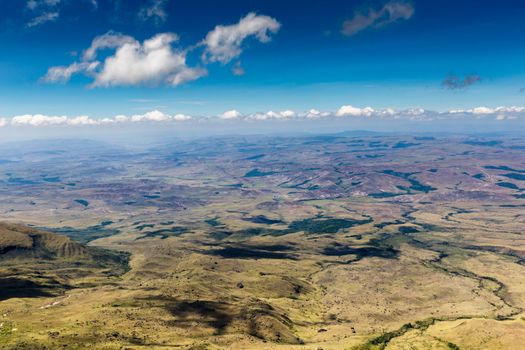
43, 18
155, 12
38, 120
152, 62
156, 116
315, 114
224, 42
181, 117
156, 61
34, 4
502, 113
481, 110
237, 69
187, 74
110, 40
391, 12
287, 113
83, 120
351, 111
63, 73
232, 114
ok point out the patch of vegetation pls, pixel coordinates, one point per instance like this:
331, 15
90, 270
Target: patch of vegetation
452, 346
54, 179
261, 219
318, 226
515, 176
503, 167
144, 226
424, 138
278, 251
165, 232
258, 173
381, 342
85, 235
507, 185
214, 222
483, 143
408, 229
386, 252
258, 156
82, 202
259, 231
20, 181
382, 225
415, 185
403, 144
385, 194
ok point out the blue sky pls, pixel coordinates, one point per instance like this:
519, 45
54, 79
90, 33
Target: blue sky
392, 54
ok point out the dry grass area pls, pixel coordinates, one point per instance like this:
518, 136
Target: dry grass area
311, 245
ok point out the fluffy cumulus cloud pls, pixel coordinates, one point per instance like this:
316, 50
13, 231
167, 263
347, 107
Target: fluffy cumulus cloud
151, 62
390, 12
38, 120
348, 112
83, 120
351, 111
271, 115
224, 43
156, 61
232, 114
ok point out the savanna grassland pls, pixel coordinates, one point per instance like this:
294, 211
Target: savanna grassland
347, 241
